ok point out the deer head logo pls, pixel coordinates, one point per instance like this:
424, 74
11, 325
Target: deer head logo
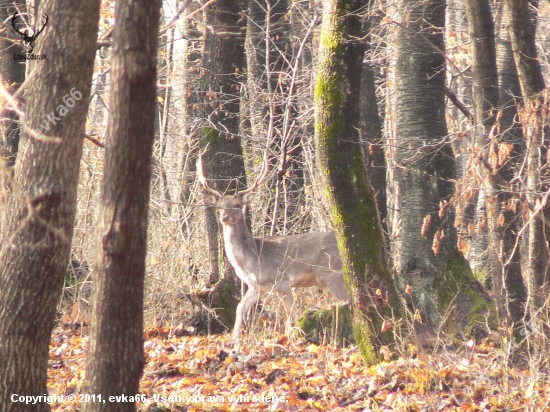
30, 33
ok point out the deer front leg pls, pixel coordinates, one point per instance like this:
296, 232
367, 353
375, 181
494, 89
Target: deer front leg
290, 307
248, 300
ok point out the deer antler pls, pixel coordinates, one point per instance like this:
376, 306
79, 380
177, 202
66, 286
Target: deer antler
38, 31
14, 24
264, 172
202, 177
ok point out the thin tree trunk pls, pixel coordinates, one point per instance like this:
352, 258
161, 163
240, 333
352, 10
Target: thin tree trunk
486, 99
116, 357
222, 63
535, 248
510, 134
372, 140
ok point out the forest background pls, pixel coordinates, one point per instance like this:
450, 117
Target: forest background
441, 106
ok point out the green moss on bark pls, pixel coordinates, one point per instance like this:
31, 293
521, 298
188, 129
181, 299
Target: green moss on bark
327, 325
470, 309
227, 292
352, 200
210, 135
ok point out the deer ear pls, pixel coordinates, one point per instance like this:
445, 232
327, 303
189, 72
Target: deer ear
209, 200
246, 200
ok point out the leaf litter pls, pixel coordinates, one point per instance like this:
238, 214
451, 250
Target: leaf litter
193, 373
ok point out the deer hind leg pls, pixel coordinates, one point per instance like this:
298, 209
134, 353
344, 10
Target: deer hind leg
249, 299
333, 283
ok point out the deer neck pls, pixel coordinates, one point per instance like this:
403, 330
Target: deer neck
239, 246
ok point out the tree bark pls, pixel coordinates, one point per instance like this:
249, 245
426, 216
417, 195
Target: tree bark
522, 32
116, 356
372, 139
426, 252
486, 100
40, 215
534, 246
358, 230
509, 133
484, 68
222, 64
425, 162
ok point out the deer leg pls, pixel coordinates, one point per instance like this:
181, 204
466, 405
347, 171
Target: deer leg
288, 301
333, 283
248, 300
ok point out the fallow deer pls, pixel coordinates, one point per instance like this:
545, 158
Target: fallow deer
276, 263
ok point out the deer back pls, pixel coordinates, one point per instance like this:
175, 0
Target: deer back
300, 258
264, 262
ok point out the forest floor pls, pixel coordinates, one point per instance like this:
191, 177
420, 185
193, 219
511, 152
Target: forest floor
192, 373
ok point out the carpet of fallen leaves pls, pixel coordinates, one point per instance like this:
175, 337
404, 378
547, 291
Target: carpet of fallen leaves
274, 374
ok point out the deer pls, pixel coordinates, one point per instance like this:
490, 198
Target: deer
273, 263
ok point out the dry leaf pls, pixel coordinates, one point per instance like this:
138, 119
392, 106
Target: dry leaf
426, 223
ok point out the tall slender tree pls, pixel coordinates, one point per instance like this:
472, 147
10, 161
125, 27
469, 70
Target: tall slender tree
116, 355
486, 98
534, 247
510, 132
371, 130
219, 99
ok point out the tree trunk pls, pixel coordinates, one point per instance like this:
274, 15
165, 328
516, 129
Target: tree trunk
534, 245
13, 74
522, 32
40, 215
371, 129
427, 256
360, 238
510, 133
166, 161
223, 61
116, 356
486, 99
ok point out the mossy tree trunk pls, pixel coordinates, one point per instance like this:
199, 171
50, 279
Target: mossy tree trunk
219, 97
116, 357
360, 238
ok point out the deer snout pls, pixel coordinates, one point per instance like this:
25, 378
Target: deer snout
225, 217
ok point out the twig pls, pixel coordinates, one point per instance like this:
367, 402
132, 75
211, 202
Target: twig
94, 141
456, 101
